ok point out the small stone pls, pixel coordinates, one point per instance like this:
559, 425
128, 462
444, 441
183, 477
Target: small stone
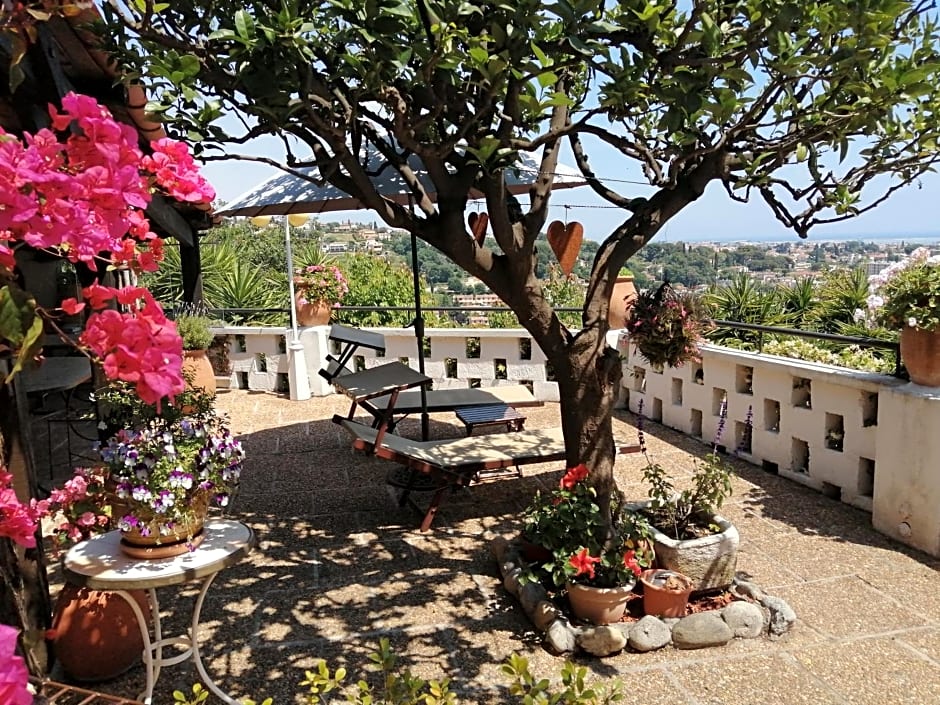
602, 641
498, 547
649, 634
560, 638
544, 614
511, 579
701, 630
530, 595
745, 619
744, 588
782, 615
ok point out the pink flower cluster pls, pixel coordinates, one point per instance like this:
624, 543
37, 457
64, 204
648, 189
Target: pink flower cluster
140, 345
17, 520
83, 196
175, 171
13, 673
77, 508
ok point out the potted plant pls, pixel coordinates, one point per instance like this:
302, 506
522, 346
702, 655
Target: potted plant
621, 300
906, 297
667, 327
689, 536
598, 574
119, 407
165, 476
94, 632
197, 370
318, 288
665, 592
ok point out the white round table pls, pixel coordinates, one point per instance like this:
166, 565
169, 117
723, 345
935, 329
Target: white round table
99, 564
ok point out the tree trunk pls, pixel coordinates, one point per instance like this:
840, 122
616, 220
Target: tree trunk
588, 374
24, 587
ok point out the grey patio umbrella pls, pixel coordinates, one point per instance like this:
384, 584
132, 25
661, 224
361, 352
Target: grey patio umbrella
286, 193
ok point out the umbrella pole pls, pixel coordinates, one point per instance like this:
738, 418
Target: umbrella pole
298, 381
419, 336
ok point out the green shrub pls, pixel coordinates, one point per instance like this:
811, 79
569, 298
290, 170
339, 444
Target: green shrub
195, 332
401, 687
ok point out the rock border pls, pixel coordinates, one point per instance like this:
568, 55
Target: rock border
742, 619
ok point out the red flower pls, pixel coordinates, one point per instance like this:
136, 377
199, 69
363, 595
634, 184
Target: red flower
71, 306
584, 562
629, 562
573, 476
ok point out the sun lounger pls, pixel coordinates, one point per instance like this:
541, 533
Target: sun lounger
375, 387
459, 462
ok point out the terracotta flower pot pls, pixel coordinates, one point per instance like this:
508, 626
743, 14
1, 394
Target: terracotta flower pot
665, 592
621, 300
197, 370
96, 635
599, 605
920, 351
315, 313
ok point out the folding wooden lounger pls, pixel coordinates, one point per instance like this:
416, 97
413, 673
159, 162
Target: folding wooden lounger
459, 462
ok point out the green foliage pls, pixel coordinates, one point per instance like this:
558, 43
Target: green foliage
195, 331
401, 687
570, 520
119, 407
850, 356
398, 688
376, 282
745, 301
20, 325
908, 293
574, 690
684, 515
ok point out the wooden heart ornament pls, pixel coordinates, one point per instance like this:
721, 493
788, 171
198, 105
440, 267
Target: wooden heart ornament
565, 241
478, 223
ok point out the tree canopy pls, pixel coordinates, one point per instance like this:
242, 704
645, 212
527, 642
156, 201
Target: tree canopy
821, 109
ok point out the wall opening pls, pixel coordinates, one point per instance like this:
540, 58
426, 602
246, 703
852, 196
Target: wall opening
698, 373
869, 409
744, 379
472, 348
719, 396
866, 477
799, 456
656, 410
450, 367
676, 391
525, 348
500, 370
639, 379
835, 432
772, 415
695, 421
802, 394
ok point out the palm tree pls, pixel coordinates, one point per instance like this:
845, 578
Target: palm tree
744, 301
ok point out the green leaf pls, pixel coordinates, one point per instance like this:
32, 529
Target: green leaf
20, 326
244, 24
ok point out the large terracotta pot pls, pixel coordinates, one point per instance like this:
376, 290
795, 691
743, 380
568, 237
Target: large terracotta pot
96, 635
665, 593
920, 351
316, 313
621, 301
197, 371
599, 605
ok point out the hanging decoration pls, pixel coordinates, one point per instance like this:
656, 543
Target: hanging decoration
565, 241
478, 223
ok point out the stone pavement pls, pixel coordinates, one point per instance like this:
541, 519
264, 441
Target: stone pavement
339, 565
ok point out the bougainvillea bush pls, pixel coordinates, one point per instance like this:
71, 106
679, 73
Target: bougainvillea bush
78, 190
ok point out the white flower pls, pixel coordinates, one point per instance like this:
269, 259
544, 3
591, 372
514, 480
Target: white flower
875, 301
934, 261
920, 253
858, 316
912, 322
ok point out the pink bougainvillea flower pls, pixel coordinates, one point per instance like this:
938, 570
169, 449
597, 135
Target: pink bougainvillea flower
13, 674
583, 562
16, 519
71, 306
573, 476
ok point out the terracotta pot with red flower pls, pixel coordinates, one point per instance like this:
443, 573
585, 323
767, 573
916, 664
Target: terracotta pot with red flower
597, 564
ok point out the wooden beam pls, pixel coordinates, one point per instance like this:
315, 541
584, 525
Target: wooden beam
168, 219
